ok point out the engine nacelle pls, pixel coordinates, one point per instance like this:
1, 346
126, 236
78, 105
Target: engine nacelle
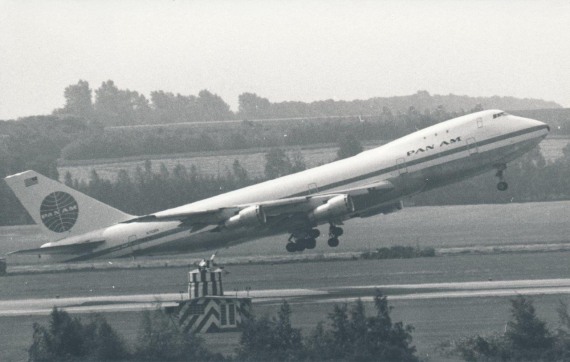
251, 216
335, 208
384, 209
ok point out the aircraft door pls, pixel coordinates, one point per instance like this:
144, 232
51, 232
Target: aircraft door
312, 188
472, 146
479, 122
401, 166
132, 243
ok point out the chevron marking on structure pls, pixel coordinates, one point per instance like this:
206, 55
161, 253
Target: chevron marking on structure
216, 300
187, 324
211, 316
185, 311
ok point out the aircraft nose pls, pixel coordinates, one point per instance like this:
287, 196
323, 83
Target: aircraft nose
542, 125
533, 123
539, 129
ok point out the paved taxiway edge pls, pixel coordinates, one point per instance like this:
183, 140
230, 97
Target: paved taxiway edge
123, 303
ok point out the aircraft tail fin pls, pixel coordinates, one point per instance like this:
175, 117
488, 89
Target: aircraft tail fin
59, 210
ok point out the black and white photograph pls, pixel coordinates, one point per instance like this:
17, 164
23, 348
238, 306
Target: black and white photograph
247, 180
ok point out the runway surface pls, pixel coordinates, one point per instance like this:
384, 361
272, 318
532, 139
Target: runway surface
395, 292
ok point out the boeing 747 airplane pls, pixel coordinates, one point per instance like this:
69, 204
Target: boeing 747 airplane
370, 183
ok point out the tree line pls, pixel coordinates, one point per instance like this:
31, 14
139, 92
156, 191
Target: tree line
349, 335
116, 142
111, 106
525, 338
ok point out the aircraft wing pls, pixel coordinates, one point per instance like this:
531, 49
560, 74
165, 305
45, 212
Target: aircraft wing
369, 188
257, 212
206, 217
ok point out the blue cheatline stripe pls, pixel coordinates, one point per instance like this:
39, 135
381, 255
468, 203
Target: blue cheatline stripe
326, 187
424, 159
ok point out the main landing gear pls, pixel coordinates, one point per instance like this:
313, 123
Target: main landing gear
502, 185
308, 240
302, 241
334, 233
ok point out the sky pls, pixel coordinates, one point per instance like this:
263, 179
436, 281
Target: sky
283, 50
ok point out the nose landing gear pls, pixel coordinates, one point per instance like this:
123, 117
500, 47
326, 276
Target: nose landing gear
502, 185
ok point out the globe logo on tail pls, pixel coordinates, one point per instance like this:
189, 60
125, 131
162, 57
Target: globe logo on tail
59, 211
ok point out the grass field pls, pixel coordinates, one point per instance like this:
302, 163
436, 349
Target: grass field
207, 163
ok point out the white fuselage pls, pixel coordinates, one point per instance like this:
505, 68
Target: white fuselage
444, 153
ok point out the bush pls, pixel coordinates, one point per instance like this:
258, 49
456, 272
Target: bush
526, 338
273, 339
160, 339
67, 339
355, 337
350, 336
103, 343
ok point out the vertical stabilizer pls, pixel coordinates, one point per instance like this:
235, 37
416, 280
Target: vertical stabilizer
59, 210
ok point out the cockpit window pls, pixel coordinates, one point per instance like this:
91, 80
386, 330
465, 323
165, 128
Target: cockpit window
497, 115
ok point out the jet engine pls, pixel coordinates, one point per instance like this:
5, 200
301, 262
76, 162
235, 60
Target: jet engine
334, 208
249, 217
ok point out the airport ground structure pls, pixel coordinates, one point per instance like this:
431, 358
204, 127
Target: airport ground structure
207, 309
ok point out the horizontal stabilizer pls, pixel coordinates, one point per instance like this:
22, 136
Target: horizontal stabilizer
79, 248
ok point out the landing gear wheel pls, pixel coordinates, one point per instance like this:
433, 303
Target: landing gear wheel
301, 245
335, 231
502, 186
291, 247
314, 233
333, 242
310, 243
